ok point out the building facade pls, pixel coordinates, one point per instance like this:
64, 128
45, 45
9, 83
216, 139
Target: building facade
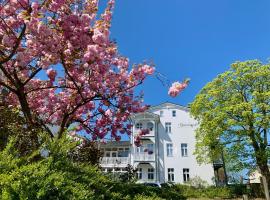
165, 154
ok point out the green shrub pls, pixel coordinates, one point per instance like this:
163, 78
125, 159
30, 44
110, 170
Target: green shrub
207, 192
54, 177
59, 177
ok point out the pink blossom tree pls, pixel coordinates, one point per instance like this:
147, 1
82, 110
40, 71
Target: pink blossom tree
60, 68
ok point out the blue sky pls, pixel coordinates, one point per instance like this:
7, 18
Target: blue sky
190, 38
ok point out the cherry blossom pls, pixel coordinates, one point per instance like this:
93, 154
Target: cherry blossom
177, 87
88, 83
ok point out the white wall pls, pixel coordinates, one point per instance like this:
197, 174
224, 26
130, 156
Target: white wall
183, 131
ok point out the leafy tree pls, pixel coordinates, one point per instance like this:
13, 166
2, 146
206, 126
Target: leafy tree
129, 175
85, 81
87, 152
12, 124
234, 115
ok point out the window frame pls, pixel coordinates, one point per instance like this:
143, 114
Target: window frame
150, 147
173, 113
139, 126
184, 149
169, 149
168, 127
151, 173
150, 126
139, 174
170, 174
186, 175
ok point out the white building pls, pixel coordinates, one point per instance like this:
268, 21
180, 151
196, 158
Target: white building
166, 153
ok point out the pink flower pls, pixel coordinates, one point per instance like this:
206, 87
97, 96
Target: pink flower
148, 69
143, 132
51, 74
108, 113
34, 5
177, 87
99, 37
173, 92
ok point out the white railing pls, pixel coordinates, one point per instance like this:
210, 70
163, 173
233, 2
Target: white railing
114, 160
150, 134
144, 157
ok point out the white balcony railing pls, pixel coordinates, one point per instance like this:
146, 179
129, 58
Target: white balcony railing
144, 157
114, 160
150, 134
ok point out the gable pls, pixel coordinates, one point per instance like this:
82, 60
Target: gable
168, 105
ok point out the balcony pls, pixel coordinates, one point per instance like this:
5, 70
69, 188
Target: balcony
114, 161
144, 157
218, 163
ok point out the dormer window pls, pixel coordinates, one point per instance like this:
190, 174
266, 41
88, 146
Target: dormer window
150, 126
139, 125
161, 113
174, 113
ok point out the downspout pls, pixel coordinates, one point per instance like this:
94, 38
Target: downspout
157, 150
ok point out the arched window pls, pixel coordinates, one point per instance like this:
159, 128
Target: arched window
150, 126
139, 125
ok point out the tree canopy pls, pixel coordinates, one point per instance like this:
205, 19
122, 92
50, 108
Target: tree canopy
234, 115
60, 67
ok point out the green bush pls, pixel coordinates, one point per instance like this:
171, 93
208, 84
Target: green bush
132, 190
57, 176
207, 192
54, 177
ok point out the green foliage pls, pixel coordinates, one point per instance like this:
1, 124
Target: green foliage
234, 108
13, 124
197, 182
132, 190
208, 192
54, 177
87, 153
129, 175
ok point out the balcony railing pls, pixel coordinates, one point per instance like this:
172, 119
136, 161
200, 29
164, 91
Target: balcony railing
114, 160
150, 134
144, 157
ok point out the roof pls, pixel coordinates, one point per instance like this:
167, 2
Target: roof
145, 115
169, 105
115, 144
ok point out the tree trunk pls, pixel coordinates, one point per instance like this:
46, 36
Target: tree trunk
265, 181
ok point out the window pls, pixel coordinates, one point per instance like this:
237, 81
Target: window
174, 113
150, 173
139, 173
150, 148
161, 113
185, 174
109, 170
171, 174
114, 154
169, 149
184, 150
168, 127
139, 149
123, 153
150, 126
139, 126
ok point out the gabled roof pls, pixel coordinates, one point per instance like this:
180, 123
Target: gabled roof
169, 105
145, 115
116, 144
